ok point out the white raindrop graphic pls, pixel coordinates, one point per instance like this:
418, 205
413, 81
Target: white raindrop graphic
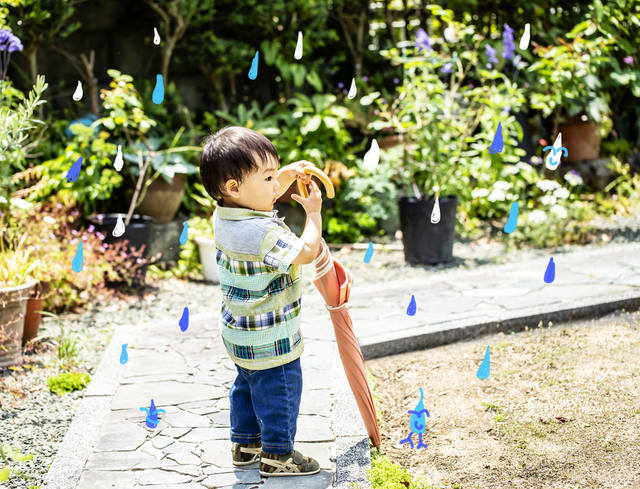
524, 40
117, 164
156, 36
435, 213
77, 95
119, 229
298, 53
372, 157
353, 91
553, 157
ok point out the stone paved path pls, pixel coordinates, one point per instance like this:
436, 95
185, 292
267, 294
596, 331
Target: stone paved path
493, 293
189, 375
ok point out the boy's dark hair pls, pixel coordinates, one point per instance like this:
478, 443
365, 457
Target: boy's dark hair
230, 154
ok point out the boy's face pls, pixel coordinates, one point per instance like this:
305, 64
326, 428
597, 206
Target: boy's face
258, 191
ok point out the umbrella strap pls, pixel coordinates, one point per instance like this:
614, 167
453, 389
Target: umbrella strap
337, 308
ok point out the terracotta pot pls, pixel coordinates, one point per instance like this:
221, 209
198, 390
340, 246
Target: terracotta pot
13, 307
162, 199
581, 140
31, 318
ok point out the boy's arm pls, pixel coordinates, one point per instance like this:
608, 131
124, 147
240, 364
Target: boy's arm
312, 235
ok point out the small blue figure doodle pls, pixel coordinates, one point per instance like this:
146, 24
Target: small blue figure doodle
497, 145
74, 171
417, 423
152, 415
124, 356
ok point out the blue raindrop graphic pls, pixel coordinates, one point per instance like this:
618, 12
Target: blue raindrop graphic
152, 415
184, 320
417, 423
74, 171
550, 272
418, 420
497, 145
124, 356
253, 72
76, 264
485, 368
158, 91
512, 222
185, 234
411, 309
369, 253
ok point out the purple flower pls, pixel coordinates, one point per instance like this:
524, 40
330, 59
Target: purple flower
447, 68
574, 173
376, 112
396, 80
422, 40
517, 60
14, 44
526, 84
345, 91
535, 160
74, 232
628, 60
357, 66
340, 85
5, 35
472, 86
489, 51
365, 78
506, 110
91, 229
507, 42
100, 235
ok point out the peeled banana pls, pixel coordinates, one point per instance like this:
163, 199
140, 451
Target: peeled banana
316, 172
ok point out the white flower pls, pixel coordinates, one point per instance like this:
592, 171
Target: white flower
3, 200
573, 178
450, 34
537, 217
510, 170
21, 203
49, 219
547, 185
548, 200
436, 188
502, 185
562, 193
559, 211
497, 195
522, 166
479, 192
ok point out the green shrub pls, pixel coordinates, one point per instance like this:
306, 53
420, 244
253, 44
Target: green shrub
384, 474
63, 383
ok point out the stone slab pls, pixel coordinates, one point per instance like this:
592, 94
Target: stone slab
231, 478
314, 429
183, 419
321, 480
198, 435
163, 393
116, 460
107, 479
120, 436
158, 476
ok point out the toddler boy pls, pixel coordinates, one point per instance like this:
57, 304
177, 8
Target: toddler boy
259, 262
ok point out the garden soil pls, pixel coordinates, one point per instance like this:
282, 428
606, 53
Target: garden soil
560, 409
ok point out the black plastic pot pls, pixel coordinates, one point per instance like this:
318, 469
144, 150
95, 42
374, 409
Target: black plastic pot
426, 243
137, 233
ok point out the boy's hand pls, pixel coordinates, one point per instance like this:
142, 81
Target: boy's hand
289, 173
313, 203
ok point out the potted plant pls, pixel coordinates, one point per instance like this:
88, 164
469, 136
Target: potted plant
128, 123
570, 92
16, 283
451, 111
202, 232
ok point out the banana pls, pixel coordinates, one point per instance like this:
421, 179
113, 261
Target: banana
316, 172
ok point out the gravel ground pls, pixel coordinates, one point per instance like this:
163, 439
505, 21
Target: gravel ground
35, 421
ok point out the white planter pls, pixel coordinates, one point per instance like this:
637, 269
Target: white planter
207, 248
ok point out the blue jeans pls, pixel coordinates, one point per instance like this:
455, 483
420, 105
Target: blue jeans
265, 406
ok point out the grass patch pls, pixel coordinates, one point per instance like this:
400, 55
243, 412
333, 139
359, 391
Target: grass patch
64, 383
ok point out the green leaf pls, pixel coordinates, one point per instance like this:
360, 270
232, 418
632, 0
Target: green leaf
312, 125
597, 8
314, 80
369, 99
332, 123
4, 474
299, 72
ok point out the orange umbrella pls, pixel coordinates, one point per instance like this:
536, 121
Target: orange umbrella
333, 281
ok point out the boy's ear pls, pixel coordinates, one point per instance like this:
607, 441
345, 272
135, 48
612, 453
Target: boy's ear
232, 189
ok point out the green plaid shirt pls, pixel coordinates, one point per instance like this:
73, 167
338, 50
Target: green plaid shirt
261, 290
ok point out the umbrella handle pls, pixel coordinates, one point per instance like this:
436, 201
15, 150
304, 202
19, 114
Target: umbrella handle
312, 170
